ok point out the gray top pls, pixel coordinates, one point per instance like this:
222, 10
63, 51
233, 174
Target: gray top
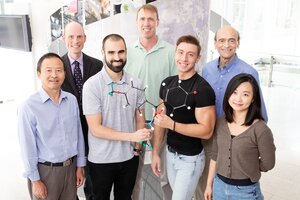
246, 155
117, 103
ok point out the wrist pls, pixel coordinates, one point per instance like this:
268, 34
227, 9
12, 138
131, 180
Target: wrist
155, 152
36, 182
174, 125
137, 151
130, 137
209, 184
137, 146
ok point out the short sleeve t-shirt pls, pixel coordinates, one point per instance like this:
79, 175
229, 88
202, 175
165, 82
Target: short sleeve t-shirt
117, 103
181, 98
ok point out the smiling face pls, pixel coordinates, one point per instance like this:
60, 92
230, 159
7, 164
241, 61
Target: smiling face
147, 23
114, 54
74, 38
51, 74
186, 57
226, 43
241, 98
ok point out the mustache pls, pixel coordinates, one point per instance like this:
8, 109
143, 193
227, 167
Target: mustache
121, 60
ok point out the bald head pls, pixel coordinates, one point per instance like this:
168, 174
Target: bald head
73, 25
74, 37
229, 30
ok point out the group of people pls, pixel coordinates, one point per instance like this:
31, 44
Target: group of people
87, 122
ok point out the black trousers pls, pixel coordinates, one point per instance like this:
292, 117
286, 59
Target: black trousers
88, 188
121, 175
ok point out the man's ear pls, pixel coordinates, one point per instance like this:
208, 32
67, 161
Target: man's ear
198, 58
215, 44
103, 54
38, 74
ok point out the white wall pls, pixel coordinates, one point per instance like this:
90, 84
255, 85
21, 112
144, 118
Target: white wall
16, 77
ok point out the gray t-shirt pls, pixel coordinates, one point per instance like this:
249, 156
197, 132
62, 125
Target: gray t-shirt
117, 103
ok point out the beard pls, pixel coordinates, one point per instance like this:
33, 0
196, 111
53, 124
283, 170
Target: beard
115, 68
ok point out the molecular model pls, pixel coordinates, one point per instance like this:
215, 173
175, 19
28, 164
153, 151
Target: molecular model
112, 92
148, 124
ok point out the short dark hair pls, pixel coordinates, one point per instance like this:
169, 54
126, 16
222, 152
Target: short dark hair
114, 37
191, 40
254, 111
46, 56
149, 7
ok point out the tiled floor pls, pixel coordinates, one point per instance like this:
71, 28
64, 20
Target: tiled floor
281, 183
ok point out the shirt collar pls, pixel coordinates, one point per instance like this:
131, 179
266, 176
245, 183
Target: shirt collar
157, 46
231, 64
45, 97
107, 78
80, 59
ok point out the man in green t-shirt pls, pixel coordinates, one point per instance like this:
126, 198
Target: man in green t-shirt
150, 59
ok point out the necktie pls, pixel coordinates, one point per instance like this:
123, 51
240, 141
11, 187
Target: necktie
78, 78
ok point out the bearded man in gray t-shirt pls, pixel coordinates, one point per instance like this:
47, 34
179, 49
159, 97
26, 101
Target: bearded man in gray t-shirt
113, 106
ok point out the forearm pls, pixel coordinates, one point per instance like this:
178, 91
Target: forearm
206, 118
28, 145
267, 149
193, 130
202, 128
30, 161
103, 132
140, 120
158, 136
198, 129
81, 158
211, 173
106, 133
79, 176
110, 134
140, 124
